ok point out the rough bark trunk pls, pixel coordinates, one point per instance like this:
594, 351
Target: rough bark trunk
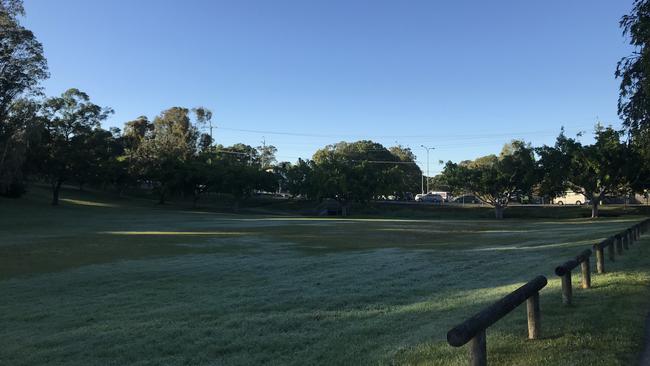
56, 188
594, 208
498, 211
161, 197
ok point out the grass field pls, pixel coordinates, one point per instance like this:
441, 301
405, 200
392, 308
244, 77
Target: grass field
102, 281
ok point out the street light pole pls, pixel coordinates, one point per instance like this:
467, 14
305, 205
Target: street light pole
427, 148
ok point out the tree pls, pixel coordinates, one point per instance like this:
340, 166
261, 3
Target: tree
267, 156
494, 180
162, 152
21, 128
599, 169
633, 70
203, 118
22, 67
357, 171
553, 167
240, 175
69, 121
609, 166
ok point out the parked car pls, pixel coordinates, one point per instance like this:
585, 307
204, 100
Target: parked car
428, 197
445, 195
468, 198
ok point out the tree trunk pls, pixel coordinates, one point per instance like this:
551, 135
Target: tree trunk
161, 194
594, 208
56, 188
498, 211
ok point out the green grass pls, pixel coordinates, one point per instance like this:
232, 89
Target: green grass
102, 281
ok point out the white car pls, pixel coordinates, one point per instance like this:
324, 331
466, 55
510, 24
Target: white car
428, 197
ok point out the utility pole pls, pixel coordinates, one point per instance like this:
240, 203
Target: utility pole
427, 148
262, 157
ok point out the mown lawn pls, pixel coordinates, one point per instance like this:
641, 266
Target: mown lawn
104, 281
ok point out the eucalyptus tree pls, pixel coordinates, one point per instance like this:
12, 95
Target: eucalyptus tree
22, 67
164, 148
68, 123
22, 125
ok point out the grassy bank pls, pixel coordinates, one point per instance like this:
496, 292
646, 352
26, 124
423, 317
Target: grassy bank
101, 280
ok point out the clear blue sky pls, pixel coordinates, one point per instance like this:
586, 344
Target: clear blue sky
463, 76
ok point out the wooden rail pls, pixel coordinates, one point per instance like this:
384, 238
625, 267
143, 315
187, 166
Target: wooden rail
473, 329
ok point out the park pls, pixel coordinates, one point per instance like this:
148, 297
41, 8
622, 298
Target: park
324, 183
107, 279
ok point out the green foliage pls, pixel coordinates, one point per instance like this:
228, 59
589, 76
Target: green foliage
22, 67
492, 179
18, 131
70, 130
634, 99
554, 166
607, 167
358, 171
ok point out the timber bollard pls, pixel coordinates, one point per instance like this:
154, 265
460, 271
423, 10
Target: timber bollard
619, 243
473, 329
564, 271
611, 250
599, 248
600, 260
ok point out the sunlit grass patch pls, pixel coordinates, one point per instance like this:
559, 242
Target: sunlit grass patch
180, 233
87, 203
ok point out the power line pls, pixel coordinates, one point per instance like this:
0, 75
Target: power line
437, 136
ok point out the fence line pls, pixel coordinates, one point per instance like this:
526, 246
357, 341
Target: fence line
473, 330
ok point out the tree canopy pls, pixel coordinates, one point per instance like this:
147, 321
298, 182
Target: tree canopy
495, 179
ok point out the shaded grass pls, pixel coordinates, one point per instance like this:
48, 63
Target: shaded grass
122, 284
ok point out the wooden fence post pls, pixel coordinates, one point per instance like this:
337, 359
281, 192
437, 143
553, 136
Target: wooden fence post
534, 316
586, 273
600, 260
472, 330
619, 244
611, 252
627, 239
567, 292
478, 350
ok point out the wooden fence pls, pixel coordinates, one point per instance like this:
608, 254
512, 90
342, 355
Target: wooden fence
473, 330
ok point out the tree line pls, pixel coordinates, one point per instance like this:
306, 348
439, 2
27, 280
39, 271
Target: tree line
611, 166
59, 140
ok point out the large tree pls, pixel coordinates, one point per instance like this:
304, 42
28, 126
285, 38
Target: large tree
21, 127
162, 150
69, 122
633, 70
495, 179
606, 167
361, 171
22, 67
